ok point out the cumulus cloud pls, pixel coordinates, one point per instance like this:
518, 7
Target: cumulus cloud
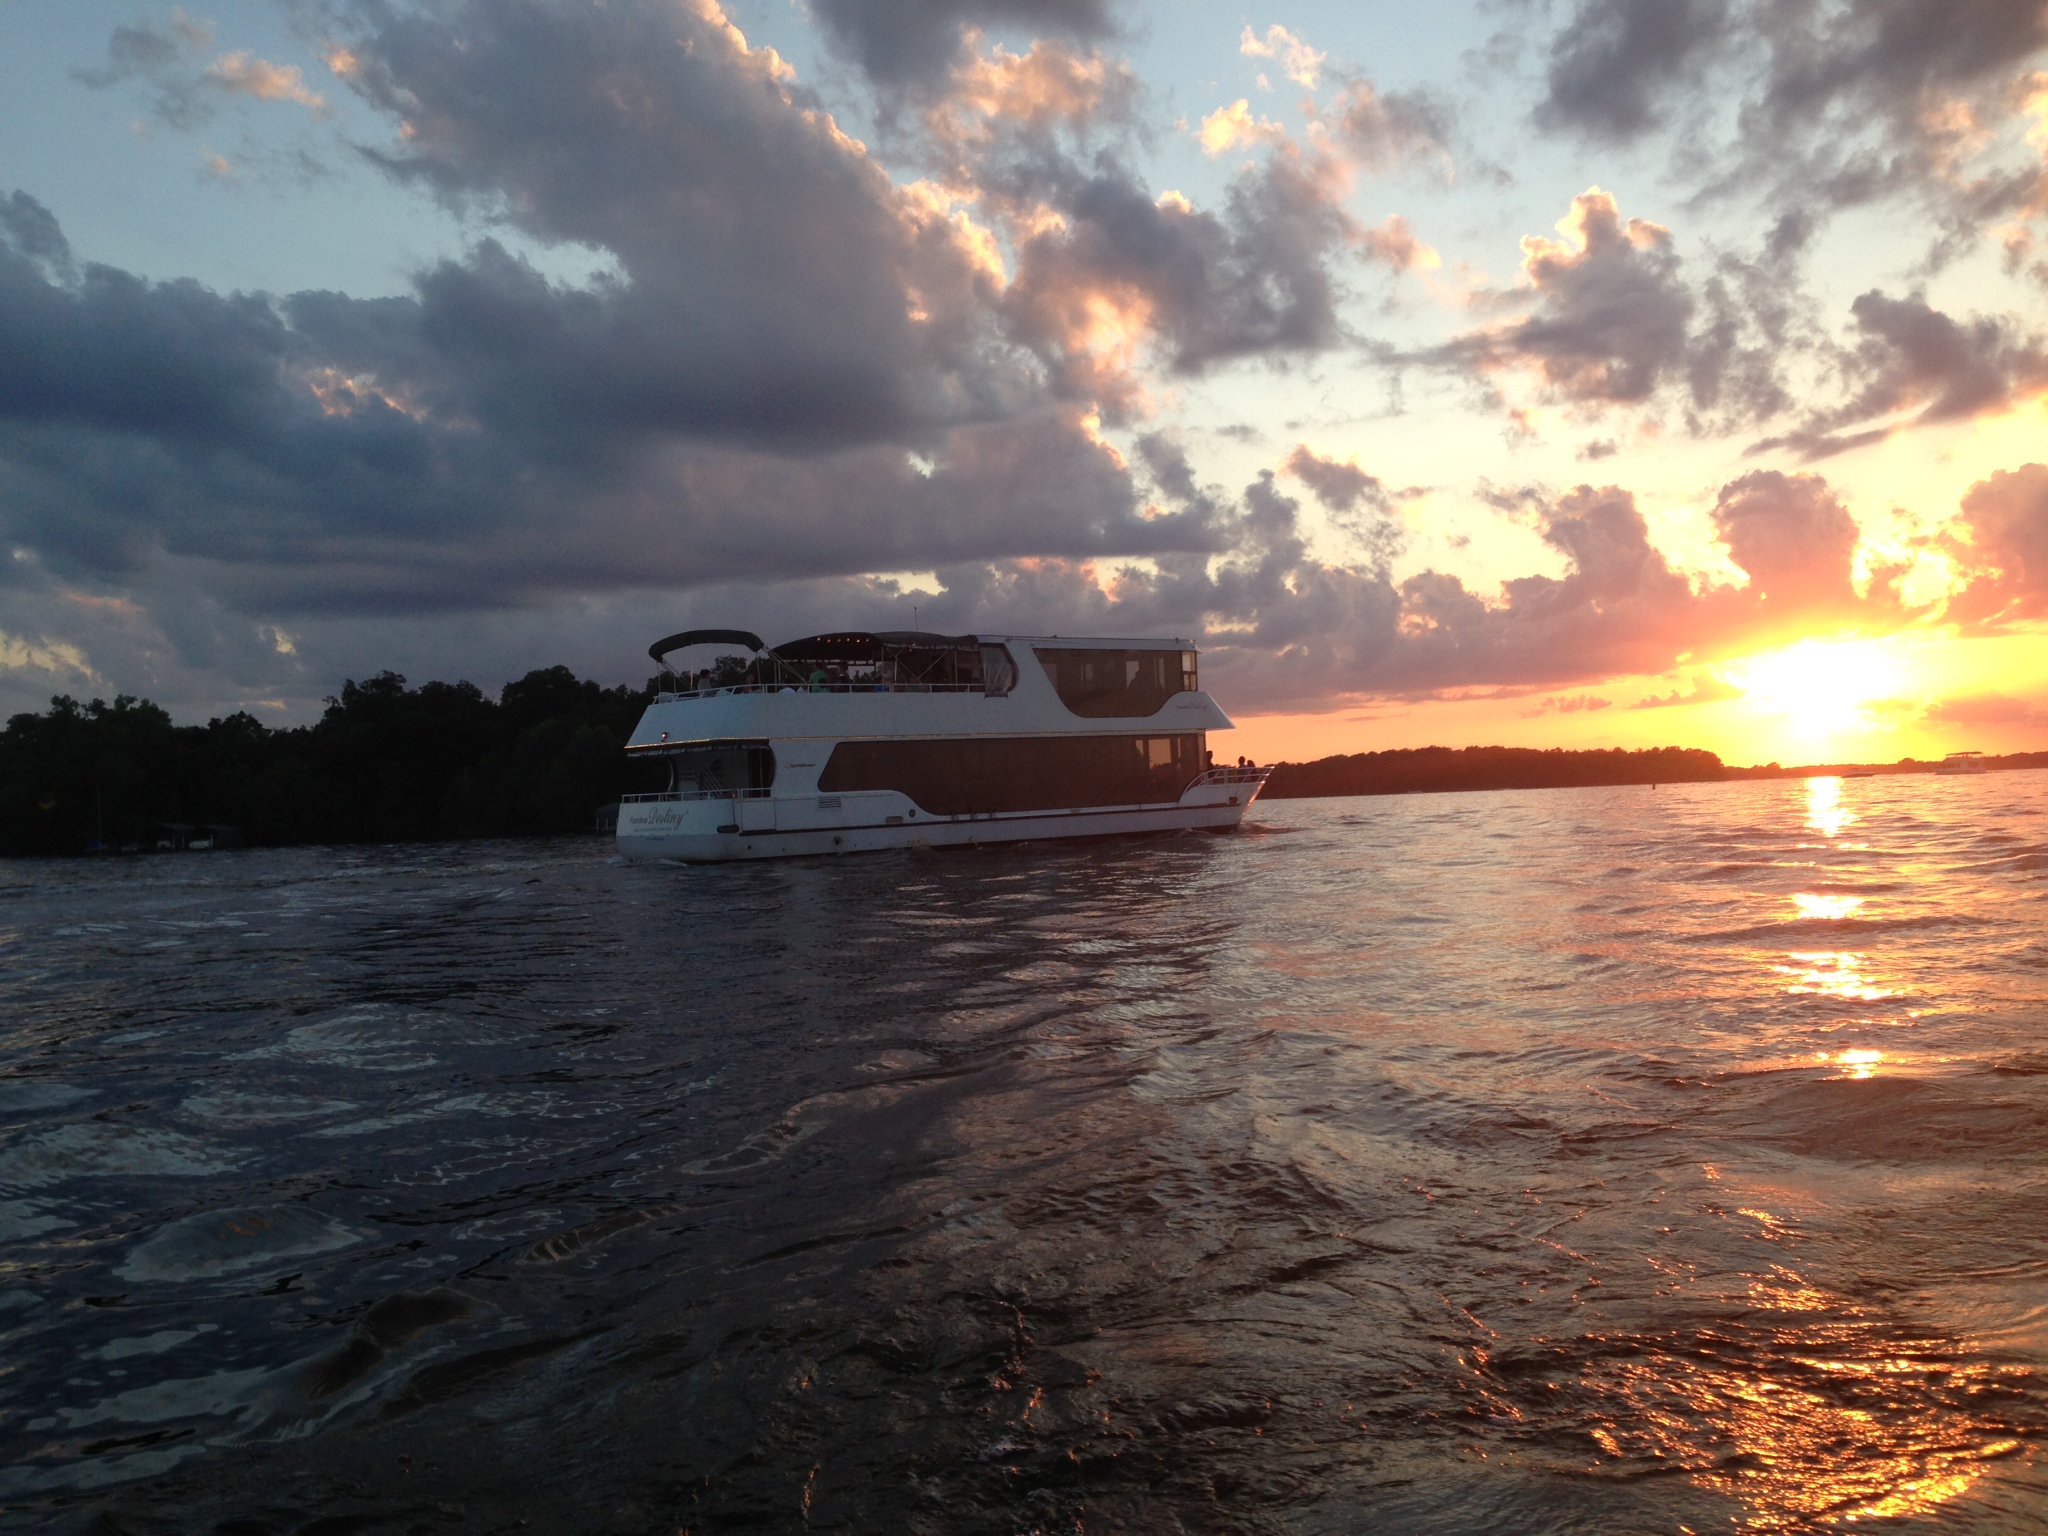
1380, 131
1116, 273
1297, 61
1616, 64
1920, 366
1612, 321
907, 42
1611, 310
241, 73
799, 369
1235, 127
1797, 541
182, 93
1391, 243
1834, 105
1340, 486
2001, 545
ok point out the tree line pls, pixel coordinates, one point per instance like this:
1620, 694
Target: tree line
385, 763
1420, 770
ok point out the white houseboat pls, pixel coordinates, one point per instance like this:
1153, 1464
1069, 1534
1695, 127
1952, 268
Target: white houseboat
847, 742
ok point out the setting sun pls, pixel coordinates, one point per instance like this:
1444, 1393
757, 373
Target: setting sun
1824, 686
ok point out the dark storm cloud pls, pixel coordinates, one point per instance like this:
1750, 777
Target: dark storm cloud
331, 454
1616, 65
776, 286
903, 41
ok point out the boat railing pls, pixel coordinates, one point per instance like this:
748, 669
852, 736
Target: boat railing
667, 697
698, 794
1233, 775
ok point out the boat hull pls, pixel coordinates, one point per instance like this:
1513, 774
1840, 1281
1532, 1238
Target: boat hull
721, 831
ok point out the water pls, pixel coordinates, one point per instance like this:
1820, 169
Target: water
1586, 1161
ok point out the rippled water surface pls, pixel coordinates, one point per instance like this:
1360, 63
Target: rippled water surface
1585, 1161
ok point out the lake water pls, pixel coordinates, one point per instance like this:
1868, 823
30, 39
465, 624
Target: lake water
1586, 1161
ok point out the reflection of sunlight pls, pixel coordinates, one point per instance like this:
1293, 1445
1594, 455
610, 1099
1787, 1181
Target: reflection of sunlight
1831, 973
1827, 906
1813, 1414
1824, 810
1861, 1064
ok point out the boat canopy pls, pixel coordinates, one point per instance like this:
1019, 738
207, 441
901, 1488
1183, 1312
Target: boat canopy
860, 645
687, 637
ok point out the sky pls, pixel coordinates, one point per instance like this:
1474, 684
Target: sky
1595, 373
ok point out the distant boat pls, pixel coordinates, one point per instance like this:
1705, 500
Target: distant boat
1963, 762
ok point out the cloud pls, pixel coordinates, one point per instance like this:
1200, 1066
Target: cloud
1297, 61
1611, 309
1796, 540
1704, 688
1820, 106
59, 660
1913, 358
1567, 704
243, 74
1381, 131
2003, 548
1987, 709
910, 42
1234, 127
166, 58
1391, 243
1116, 274
1339, 486
1617, 64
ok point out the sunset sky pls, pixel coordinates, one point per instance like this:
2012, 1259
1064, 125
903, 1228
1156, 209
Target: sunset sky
1588, 373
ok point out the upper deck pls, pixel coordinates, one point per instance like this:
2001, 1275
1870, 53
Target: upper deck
916, 684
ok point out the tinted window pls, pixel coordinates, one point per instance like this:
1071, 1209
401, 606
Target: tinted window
722, 765
964, 777
1106, 684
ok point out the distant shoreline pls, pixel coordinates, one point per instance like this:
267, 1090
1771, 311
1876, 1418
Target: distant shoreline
1445, 770
389, 763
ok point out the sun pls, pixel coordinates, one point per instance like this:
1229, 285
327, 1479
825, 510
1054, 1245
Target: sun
1823, 687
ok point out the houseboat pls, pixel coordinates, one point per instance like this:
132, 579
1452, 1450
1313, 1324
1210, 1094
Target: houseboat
842, 743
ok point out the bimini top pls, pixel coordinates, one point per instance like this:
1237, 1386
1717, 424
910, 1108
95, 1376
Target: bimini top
687, 637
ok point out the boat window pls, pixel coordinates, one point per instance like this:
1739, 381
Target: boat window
998, 671
713, 766
966, 776
1105, 684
